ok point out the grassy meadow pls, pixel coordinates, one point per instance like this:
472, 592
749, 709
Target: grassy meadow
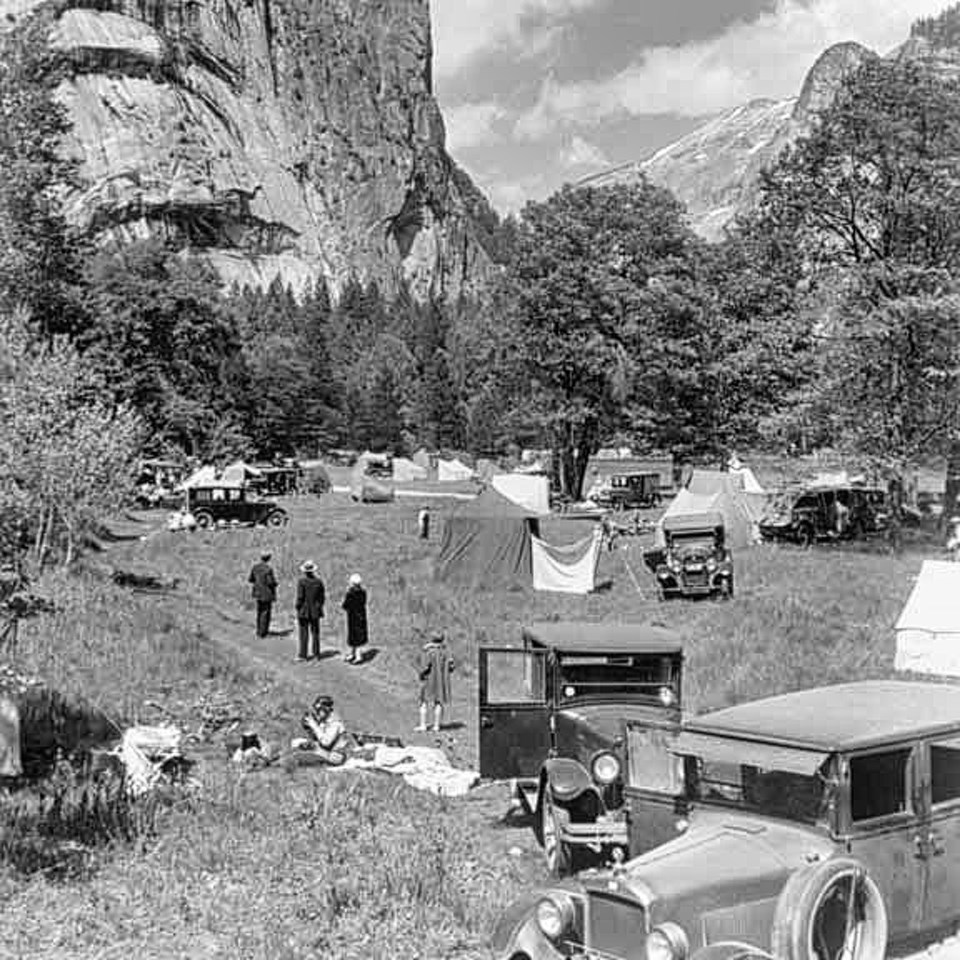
281, 863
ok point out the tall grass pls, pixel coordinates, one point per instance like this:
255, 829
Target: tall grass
310, 863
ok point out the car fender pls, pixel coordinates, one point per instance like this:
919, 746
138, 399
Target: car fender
566, 779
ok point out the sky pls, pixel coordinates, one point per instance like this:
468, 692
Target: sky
536, 93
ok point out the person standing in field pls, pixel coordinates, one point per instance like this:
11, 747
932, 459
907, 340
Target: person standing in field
423, 523
355, 605
264, 592
310, 599
435, 664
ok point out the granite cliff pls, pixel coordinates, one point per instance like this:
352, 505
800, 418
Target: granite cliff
297, 138
715, 169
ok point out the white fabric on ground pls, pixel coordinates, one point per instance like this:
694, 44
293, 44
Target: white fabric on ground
424, 768
143, 751
571, 569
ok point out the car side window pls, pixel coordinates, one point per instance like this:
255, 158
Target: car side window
878, 785
515, 676
944, 771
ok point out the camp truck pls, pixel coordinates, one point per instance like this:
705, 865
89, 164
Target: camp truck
581, 719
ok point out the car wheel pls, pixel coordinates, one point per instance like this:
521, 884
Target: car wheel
204, 519
556, 851
805, 535
831, 910
277, 519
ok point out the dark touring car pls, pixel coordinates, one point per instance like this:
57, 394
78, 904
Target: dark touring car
582, 718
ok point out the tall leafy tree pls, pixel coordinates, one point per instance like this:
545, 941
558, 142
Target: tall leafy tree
40, 255
588, 282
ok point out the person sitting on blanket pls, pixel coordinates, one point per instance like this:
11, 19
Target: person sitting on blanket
327, 736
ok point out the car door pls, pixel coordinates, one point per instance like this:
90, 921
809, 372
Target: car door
516, 733
885, 809
653, 783
938, 836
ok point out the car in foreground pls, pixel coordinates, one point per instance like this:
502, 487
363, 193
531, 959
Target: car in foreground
215, 504
823, 513
694, 561
581, 718
824, 825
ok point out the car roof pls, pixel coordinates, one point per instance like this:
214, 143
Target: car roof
843, 717
583, 637
692, 522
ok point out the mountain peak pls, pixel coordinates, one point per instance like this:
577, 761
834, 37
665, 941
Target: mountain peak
824, 78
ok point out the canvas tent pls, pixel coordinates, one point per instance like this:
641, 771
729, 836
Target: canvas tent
528, 490
709, 491
405, 470
486, 541
237, 474
567, 569
451, 470
928, 630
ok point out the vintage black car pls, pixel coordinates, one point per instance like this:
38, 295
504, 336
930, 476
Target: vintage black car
629, 491
694, 561
844, 512
215, 504
581, 718
823, 825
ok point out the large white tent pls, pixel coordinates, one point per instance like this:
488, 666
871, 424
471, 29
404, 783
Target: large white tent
528, 490
928, 631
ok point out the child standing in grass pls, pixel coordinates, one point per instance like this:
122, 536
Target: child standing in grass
435, 664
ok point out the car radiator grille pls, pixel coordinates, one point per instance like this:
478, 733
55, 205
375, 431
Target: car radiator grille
615, 928
697, 578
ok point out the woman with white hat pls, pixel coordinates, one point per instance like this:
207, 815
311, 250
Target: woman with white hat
355, 604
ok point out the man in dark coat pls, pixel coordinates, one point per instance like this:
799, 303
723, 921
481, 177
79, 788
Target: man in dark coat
264, 592
355, 604
310, 598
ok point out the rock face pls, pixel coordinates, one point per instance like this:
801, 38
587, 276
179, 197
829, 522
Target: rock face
290, 137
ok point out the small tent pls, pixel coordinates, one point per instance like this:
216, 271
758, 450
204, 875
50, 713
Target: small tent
928, 630
709, 491
486, 542
451, 470
239, 473
531, 491
405, 470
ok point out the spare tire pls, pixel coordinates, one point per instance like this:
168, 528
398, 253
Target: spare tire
830, 910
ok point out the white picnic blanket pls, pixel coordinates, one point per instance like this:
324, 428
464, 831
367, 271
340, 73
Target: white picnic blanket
424, 768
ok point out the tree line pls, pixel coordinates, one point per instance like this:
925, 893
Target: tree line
827, 316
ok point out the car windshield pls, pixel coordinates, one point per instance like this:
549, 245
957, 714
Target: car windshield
618, 675
773, 792
692, 543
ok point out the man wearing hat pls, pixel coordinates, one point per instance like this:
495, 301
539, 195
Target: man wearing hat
264, 592
310, 597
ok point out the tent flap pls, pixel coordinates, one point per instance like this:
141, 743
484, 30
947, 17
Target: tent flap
569, 569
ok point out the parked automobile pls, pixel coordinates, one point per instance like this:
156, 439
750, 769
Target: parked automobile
215, 504
845, 512
824, 825
629, 491
581, 718
694, 562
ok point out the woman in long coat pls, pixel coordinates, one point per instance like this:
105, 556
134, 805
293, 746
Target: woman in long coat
434, 667
355, 604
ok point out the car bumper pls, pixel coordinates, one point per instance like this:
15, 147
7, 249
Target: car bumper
596, 834
703, 585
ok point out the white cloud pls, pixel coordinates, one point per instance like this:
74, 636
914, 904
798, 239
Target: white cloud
472, 124
466, 29
766, 57
580, 154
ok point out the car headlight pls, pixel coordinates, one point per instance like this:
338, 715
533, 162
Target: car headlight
555, 915
605, 768
711, 564
667, 696
667, 942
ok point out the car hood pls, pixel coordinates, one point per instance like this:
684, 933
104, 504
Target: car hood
595, 726
723, 859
